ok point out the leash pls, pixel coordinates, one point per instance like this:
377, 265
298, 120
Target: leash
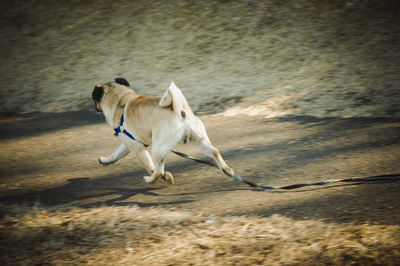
382, 178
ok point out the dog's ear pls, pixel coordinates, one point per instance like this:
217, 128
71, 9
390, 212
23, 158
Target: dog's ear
97, 93
122, 81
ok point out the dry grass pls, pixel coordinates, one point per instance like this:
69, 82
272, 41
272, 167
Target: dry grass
136, 236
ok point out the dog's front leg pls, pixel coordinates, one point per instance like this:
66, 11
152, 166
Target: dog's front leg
115, 156
144, 157
158, 154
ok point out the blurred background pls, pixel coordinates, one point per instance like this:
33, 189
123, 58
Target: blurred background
337, 58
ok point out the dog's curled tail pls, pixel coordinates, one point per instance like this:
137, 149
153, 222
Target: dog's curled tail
174, 97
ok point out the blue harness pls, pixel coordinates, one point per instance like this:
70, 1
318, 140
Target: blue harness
118, 129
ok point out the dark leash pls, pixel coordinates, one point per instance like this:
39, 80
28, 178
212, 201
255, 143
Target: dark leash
382, 178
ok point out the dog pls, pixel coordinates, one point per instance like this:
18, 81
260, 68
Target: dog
160, 122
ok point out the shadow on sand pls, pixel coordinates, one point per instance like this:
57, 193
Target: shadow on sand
26, 125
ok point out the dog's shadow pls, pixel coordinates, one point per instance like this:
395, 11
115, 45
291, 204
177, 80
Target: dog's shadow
88, 193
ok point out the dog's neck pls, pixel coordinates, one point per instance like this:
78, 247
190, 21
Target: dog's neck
113, 114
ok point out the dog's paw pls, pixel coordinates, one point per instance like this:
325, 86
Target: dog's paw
150, 179
167, 177
102, 160
228, 171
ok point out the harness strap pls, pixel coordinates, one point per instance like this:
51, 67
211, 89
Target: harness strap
119, 129
128, 134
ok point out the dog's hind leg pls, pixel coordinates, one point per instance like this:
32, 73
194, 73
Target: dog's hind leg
119, 153
203, 143
208, 149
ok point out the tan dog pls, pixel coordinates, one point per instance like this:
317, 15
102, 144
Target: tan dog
162, 122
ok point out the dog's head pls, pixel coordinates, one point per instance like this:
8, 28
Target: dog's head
106, 96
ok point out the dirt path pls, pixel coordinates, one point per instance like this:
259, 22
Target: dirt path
60, 167
56, 171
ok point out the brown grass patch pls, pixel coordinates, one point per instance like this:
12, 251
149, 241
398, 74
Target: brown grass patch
138, 236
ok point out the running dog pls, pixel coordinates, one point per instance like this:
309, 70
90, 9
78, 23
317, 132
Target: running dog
160, 122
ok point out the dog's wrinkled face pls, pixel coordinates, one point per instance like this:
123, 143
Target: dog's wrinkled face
100, 92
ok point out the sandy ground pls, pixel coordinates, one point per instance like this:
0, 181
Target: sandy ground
290, 92
60, 206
